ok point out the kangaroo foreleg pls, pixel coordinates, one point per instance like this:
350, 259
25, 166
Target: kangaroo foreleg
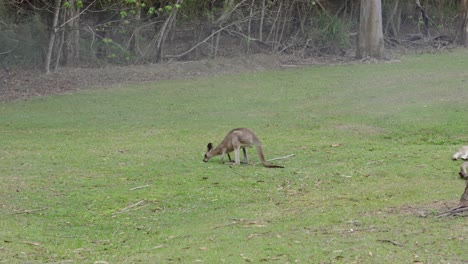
222, 156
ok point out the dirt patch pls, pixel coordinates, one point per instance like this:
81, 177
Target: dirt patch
20, 84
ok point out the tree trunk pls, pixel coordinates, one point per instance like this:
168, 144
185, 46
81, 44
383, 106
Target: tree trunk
392, 28
159, 47
371, 41
462, 38
134, 45
53, 33
425, 19
262, 17
72, 34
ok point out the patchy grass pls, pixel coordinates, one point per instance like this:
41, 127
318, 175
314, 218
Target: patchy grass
117, 175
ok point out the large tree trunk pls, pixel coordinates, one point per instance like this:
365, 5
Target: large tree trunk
71, 54
463, 27
371, 41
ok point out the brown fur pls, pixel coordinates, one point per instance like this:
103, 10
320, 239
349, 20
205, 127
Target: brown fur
235, 140
463, 173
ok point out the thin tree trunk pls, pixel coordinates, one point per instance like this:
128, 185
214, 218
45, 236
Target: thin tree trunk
371, 41
59, 51
262, 17
425, 19
163, 33
53, 33
249, 26
71, 19
134, 44
392, 20
462, 37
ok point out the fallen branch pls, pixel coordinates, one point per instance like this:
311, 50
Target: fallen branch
454, 211
284, 157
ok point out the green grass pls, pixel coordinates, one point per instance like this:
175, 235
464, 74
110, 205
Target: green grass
68, 164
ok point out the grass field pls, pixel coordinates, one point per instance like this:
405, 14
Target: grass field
116, 175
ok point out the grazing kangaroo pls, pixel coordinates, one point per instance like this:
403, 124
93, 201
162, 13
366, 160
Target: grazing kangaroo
462, 153
463, 174
237, 139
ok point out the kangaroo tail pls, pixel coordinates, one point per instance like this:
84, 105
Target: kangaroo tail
262, 158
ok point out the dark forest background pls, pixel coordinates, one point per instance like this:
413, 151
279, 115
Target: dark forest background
101, 32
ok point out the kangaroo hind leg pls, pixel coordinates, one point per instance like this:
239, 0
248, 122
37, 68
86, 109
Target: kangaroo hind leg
246, 160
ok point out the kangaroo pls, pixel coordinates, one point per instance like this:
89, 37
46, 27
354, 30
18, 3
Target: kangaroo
463, 174
462, 153
237, 139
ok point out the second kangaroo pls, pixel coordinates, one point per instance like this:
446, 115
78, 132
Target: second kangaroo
235, 140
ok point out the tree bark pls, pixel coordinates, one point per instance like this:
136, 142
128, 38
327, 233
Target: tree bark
262, 17
370, 41
71, 53
462, 38
134, 44
53, 33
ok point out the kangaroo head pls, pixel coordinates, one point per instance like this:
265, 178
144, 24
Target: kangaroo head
208, 153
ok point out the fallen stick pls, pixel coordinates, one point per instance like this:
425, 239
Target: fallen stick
31, 243
139, 187
280, 158
29, 211
390, 241
123, 210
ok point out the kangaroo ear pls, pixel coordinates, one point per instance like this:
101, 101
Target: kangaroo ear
210, 146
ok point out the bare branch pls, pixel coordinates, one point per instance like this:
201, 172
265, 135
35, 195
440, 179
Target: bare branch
8, 51
73, 18
201, 42
454, 211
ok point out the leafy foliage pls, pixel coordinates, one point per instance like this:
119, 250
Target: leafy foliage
200, 28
